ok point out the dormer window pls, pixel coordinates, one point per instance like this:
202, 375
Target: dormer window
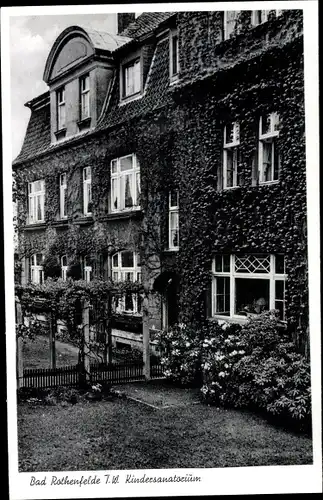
61, 111
84, 97
131, 78
174, 56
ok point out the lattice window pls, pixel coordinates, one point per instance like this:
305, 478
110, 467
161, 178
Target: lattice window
252, 264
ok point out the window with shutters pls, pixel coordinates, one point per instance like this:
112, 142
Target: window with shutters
248, 284
268, 154
36, 202
125, 183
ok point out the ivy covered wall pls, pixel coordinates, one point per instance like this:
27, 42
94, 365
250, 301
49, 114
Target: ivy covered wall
257, 71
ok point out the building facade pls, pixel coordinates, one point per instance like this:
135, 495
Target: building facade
173, 153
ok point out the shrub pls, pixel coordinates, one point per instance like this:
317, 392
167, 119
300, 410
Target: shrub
181, 353
258, 368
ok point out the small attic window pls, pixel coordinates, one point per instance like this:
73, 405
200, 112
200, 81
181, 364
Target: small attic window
61, 110
173, 55
131, 78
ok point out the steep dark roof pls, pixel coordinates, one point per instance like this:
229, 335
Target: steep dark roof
155, 94
146, 22
37, 137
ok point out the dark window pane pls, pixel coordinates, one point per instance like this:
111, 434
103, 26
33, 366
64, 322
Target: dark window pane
220, 286
279, 292
226, 263
218, 263
127, 259
252, 296
280, 264
279, 305
128, 301
219, 303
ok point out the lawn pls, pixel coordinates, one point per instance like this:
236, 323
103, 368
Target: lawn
36, 353
125, 434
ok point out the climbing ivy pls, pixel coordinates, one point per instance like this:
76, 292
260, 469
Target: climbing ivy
180, 145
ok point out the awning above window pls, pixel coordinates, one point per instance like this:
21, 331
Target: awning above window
165, 280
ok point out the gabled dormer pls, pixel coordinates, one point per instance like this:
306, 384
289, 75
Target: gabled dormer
79, 72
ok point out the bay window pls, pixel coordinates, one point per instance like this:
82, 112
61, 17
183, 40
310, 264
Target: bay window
125, 183
126, 267
87, 191
269, 162
36, 271
231, 173
62, 197
36, 201
248, 284
173, 221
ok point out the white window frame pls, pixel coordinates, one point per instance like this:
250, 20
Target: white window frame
228, 148
119, 274
117, 180
87, 181
87, 270
271, 276
173, 74
264, 16
173, 209
85, 97
229, 24
62, 194
36, 270
271, 138
61, 108
64, 267
131, 78
35, 197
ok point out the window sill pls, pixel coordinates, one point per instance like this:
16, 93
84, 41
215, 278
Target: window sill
133, 97
60, 134
84, 123
230, 319
231, 188
126, 214
173, 79
85, 219
60, 222
170, 250
34, 225
268, 183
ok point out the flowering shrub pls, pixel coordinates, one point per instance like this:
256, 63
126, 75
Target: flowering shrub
180, 348
257, 367
243, 366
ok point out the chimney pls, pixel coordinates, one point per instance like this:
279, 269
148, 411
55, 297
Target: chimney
124, 19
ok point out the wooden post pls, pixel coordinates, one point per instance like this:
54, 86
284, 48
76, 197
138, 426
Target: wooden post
19, 358
86, 338
108, 332
52, 346
145, 335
